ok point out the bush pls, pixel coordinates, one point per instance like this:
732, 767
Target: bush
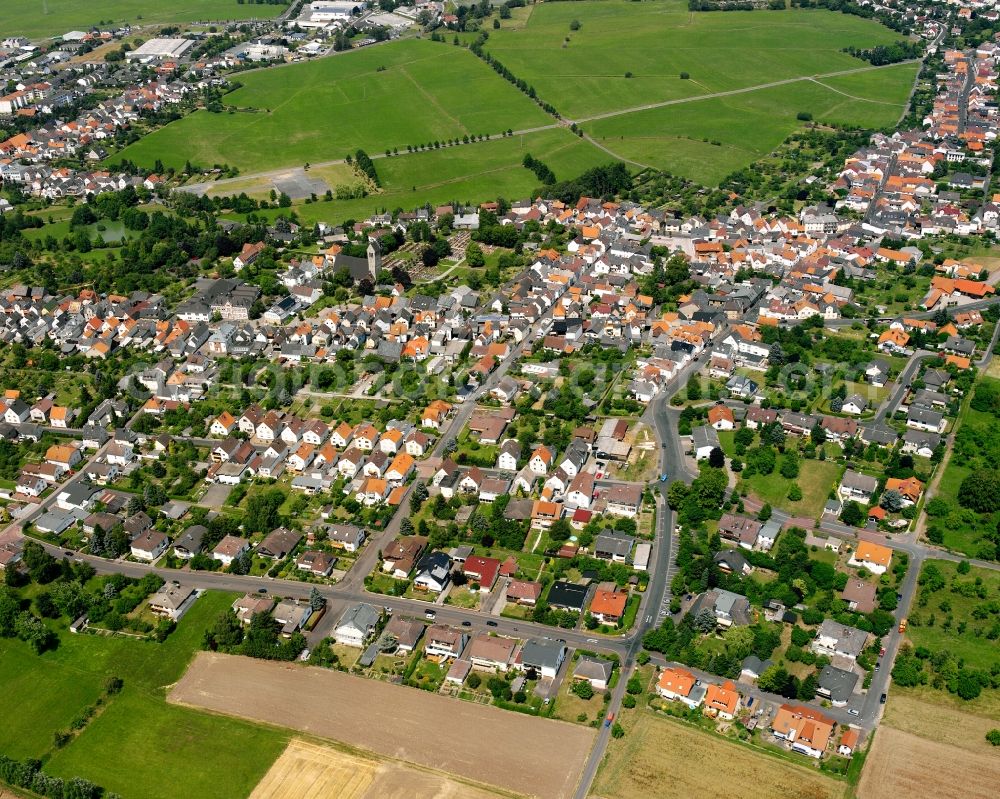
804, 116
993, 736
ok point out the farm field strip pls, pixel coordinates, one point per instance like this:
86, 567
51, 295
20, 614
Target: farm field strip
308, 770
518, 755
902, 764
668, 759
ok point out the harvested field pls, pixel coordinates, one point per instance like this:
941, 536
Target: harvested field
938, 722
484, 744
668, 760
311, 771
901, 764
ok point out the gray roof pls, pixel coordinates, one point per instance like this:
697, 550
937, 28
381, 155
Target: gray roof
543, 652
362, 617
837, 684
614, 543
589, 668
704, 436
850, 640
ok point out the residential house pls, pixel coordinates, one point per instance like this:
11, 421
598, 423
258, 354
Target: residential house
149, 545
858, 487
805, 728
722, 701
834, 638
871, 556
230, 548
596, 671
491, 652
357, 625
433, 573
171, 601
544, 656
680, 685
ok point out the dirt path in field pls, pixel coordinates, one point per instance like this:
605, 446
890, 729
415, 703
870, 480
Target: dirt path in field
537, 757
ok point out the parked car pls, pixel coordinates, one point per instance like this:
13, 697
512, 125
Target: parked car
881, 699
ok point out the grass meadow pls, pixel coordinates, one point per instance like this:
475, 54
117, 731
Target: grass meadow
655, 42
170, 751
467, 173
707, 139
36, 19
405, 93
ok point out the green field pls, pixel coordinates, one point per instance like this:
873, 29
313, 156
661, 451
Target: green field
816, 478
472, 173
971, 645
170, 751
974, 449
27, 18
707, 139
407, 93
659, 40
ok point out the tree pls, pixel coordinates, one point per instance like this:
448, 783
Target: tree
634, 686
892, 501
716, 458
705, 621
817, 435
677, 492
560, 529
794, 492
474, 255
693, 389
739, 641
852, 514
765, 512
617, 730
980, 491
583, 689
316, 600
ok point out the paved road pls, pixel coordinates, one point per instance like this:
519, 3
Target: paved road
656, 599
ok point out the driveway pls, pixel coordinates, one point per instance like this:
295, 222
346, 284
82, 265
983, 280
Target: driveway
216, 496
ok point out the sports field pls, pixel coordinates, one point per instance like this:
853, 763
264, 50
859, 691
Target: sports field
405, 93
36, 19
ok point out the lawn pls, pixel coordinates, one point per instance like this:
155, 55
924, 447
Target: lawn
816, 478
22, 17
168, 743
656, 42
949, 610
406, 93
